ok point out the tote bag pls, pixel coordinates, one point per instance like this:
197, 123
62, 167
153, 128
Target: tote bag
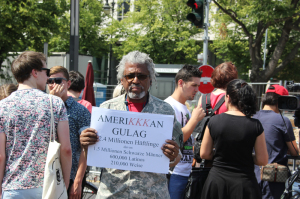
54, 185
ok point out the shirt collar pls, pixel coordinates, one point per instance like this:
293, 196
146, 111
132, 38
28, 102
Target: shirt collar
69, 101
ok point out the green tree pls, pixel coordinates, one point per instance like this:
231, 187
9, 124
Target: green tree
290, 72
240, 29
159, 28
91, 40
27, 24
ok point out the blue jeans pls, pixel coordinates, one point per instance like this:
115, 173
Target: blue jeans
296, 187
35, 193
177, 186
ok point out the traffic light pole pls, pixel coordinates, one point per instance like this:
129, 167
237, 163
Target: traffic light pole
206, 37
74, 35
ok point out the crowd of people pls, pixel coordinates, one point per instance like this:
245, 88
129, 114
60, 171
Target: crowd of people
237, 140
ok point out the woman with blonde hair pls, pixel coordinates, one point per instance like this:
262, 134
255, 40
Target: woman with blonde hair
6, 90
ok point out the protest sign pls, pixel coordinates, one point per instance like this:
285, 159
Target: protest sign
130, 140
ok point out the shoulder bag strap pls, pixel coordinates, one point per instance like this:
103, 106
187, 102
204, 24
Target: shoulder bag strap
218, 105
52, 126
208, 100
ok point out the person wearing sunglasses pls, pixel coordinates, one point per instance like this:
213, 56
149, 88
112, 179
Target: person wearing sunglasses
77, 85
58, 86
136, 72
25, 130
79, 119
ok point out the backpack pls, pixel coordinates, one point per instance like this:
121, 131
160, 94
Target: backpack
200, 128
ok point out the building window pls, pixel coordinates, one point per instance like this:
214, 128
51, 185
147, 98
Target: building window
123, 8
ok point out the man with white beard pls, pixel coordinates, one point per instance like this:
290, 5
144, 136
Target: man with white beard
136, 73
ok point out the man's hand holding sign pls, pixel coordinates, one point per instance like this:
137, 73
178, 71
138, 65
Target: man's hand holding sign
130, 141
137, 138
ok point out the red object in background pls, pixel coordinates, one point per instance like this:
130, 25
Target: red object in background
88, 92
205, 85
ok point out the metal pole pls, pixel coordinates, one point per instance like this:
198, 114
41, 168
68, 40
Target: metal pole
206, 37
110, 47
74, 35
265, 49
46, 51
123, 3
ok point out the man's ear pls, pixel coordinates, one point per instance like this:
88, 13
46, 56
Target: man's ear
34, 73
68, 84
180, 82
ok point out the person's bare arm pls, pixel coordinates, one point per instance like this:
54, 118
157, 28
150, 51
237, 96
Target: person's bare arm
65, 150
293, 148
75, 192
2, 159
206, 150
197, 115
260, 157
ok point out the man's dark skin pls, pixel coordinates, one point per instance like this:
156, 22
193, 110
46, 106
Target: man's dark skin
89, 136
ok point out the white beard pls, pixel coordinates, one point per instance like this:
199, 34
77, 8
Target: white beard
136, 96
132, 95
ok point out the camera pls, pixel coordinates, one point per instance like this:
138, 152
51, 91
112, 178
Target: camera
291, 102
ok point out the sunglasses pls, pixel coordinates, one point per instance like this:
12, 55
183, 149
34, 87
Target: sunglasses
131, 76
56, 80
47, 71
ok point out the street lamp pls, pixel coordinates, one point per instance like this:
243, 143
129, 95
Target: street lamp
106, 8
107, 11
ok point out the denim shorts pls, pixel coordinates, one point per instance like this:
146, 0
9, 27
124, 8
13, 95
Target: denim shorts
35, 193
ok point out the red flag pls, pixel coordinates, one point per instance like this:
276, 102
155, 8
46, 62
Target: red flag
88, 92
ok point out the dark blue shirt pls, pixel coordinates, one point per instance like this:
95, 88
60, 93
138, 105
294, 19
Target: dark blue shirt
276, 136
79, 119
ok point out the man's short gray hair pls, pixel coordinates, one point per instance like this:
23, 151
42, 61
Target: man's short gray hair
136, 57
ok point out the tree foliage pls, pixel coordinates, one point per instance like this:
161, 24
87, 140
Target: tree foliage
158, 28
27, 24
240, 34
91, 41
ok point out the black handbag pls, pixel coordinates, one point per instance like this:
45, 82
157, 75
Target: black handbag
196, 181
201, 126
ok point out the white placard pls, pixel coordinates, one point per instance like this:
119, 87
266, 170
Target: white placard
130, 140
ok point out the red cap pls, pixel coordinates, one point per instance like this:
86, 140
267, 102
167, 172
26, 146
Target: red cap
280, 90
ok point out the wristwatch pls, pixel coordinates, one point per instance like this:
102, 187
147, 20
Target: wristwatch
171, 162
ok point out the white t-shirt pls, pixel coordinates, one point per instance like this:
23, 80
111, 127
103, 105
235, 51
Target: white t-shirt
183, 115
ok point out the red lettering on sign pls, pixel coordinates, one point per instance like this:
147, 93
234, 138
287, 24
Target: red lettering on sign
131, 121
145, 122
138, 122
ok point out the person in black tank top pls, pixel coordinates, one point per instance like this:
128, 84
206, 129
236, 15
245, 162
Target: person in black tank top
234, 134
